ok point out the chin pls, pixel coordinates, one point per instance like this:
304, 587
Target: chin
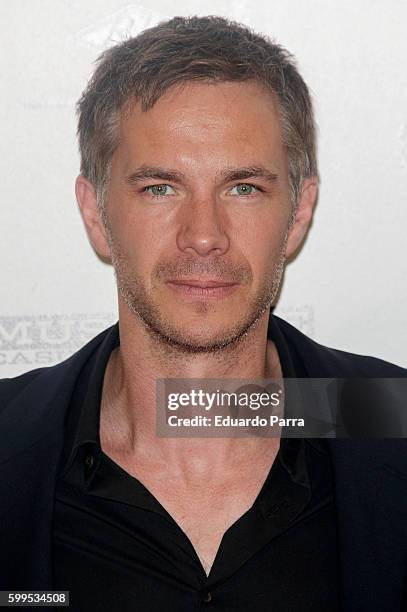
201, 345
197, 340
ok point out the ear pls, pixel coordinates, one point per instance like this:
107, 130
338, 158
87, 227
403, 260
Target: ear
303, 215
86, 198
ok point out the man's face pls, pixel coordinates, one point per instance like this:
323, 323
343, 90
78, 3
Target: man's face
214, 209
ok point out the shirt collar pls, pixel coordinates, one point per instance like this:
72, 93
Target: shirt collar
83, 420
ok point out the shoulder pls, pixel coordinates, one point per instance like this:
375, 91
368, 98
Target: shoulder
46, 383
35, 403
10, 387
357, 463
325, 361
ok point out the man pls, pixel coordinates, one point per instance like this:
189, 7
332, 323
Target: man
198, 180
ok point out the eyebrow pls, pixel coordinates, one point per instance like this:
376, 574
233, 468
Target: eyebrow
153, 172
230, 174
237, 174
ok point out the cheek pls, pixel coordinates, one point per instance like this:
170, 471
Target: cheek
132, 230
139, 226
140, 245
261, 243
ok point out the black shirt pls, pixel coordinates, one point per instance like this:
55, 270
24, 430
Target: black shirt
117, 548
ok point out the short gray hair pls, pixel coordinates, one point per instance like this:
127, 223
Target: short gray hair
181, 49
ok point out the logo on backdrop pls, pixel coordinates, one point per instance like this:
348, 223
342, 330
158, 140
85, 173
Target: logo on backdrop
28, 342
32, 341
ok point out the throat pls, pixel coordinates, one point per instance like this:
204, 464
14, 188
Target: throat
204, 507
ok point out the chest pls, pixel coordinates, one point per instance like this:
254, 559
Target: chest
203, 509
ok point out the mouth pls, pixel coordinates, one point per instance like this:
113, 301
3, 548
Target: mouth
202, 288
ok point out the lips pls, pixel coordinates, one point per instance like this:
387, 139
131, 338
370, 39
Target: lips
203, 284
197, 289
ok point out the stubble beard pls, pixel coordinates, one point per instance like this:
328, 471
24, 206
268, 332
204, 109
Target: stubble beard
133, 292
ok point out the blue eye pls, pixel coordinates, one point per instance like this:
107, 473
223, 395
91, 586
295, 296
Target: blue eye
157, 191
246, 189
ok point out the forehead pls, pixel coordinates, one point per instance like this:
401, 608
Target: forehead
201, 119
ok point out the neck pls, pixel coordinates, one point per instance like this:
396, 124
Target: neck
128, 409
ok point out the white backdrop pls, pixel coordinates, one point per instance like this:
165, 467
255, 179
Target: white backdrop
347, 289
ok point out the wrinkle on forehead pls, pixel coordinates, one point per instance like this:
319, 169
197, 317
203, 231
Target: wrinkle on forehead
184, 103
206, 125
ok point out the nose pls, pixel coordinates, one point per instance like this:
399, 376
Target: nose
201, 228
